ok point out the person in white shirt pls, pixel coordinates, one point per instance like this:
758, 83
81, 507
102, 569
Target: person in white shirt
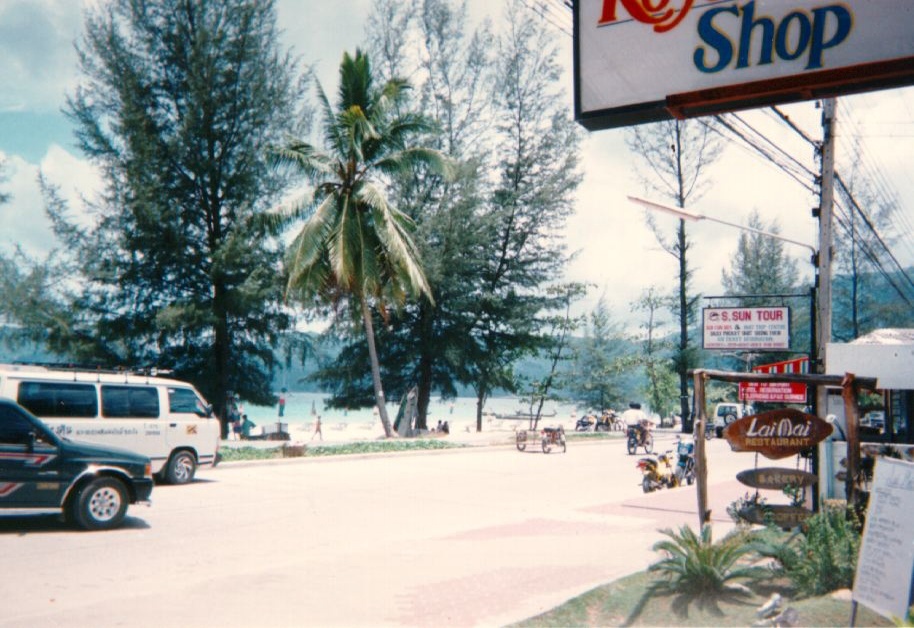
634, 417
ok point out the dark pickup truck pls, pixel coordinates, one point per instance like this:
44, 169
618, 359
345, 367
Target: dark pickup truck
91, 485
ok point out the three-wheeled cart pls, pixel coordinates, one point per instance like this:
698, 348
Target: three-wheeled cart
549, 437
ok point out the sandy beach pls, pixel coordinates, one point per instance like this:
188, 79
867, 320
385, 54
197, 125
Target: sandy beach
494, 430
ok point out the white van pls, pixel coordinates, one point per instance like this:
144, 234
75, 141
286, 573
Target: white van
164, 419
727, 413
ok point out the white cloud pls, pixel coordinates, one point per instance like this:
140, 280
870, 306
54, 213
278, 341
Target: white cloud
36, 45
23, 217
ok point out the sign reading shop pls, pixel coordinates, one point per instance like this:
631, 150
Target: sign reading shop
646, 60
746, 328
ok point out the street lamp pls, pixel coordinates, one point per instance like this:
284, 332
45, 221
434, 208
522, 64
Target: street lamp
693, 217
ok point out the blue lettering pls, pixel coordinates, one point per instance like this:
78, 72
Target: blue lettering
715, 39
799, 33
802, 42
745, 36
818, 32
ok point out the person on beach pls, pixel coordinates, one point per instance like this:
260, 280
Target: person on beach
246, 425
317, 429
282, 403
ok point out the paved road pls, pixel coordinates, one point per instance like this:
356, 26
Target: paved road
465, 538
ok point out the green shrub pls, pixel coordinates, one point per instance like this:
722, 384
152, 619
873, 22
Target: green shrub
695, 565
821, 556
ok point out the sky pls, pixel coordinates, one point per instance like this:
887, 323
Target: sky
616, 251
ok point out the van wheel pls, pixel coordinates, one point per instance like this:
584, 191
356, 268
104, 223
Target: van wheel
181, 468
99, 505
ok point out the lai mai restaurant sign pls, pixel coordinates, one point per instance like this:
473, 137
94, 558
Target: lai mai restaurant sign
746, 328
778, 433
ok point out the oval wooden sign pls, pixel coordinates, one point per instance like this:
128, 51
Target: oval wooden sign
777, 433
776, 478
782, 515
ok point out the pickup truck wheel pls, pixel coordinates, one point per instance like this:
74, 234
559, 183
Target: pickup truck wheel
181, 468
99, 505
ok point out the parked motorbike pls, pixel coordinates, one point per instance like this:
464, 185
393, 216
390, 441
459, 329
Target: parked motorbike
639, 438
608, 422
584, 424
657, 473
685, 462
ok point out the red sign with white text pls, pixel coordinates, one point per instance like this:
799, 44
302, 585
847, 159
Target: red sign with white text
783, 392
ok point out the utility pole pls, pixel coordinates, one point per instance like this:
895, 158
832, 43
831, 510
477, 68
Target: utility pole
825, 212
823, 263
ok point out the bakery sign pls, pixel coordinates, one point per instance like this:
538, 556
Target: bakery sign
778, 433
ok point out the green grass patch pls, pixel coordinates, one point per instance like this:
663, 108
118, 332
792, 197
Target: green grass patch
237, 454
634, 601
380, 447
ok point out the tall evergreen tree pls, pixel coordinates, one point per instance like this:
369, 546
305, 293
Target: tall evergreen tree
176, 103
760, 266
655, 352
604, 363
535, 151
677, 154
860, 300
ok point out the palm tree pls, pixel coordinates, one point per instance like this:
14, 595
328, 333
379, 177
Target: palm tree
354, 246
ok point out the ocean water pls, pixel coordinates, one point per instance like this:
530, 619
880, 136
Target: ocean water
303, 407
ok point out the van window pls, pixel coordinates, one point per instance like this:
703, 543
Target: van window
130, 402
184, 400
58, 399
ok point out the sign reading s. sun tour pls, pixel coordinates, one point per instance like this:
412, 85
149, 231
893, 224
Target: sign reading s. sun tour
642, 61
746, 328
778, 433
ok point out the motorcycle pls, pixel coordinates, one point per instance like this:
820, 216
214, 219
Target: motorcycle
639, 438
608, 422
657, 473
584, 424
685, 463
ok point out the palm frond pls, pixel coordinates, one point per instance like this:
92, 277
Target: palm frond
405, 160
308, 248
304, 157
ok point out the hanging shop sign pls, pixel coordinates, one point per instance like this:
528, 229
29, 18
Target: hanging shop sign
776, 392
746, 328
781, 515
639, 61
773, 392
778, 433
776, 478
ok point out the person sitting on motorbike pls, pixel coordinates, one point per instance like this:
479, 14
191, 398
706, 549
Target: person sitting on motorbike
635, 418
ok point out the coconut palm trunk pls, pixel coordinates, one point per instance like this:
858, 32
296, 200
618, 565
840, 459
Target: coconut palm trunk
375, 369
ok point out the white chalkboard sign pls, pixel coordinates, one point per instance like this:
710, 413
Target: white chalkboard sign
886, 560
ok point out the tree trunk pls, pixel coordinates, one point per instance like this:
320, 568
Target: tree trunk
481, 395
221, 346
380, 401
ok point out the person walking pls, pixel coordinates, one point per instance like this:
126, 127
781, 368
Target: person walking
317, 429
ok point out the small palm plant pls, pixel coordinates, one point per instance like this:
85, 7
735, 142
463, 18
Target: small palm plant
697, 567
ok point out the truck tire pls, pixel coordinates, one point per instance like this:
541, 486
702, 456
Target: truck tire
99, 505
